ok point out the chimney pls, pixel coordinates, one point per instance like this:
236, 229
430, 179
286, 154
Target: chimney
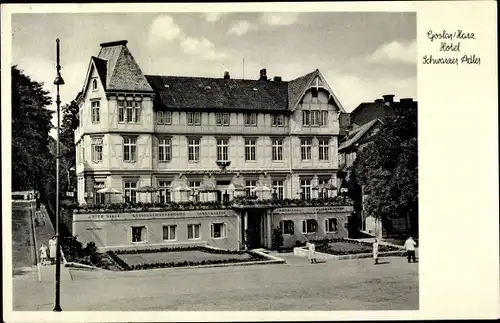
277, 79
263, 75
388, 98
226, 75
115, 43
406, 100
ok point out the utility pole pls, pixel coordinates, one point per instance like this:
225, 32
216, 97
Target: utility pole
58, 81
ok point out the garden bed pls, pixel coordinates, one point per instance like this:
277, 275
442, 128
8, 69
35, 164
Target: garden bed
348, 249
180, 257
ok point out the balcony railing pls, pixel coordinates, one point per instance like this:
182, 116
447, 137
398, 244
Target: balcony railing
237, 202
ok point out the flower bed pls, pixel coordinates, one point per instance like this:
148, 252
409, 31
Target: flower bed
212, 205
178, 257
340, 247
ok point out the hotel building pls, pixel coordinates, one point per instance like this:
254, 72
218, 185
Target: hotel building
202, 139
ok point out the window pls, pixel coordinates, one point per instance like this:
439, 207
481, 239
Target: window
160, 117
99, 198
331, 225
305, 117
97, 150
222, 150
323, 149
309, 226
194, 231
94, 84
278, 189
324, 119
249, 186
250, 149
315, 115
164, 192
194, 150
164, 149
218, 230
323, 194
305, 186
139, 234
195, 185
193, 118
305, 149
250, 119
129, 149
314, 92
225, 119
95, 111
278, 120
169, 232
277, 149
222, 119
168, 117
130, 194
129, 111
287, 226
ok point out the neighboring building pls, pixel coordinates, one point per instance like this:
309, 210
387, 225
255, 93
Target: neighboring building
364, 122
202, 139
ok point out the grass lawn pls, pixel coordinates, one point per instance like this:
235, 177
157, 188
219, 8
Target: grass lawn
22, 253
350, 248
179, 256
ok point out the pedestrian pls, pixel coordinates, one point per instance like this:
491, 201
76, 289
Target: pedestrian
52, 250
410, 245
312, 252
43, 254
375, 251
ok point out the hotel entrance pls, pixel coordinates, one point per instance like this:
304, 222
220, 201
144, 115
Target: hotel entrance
256, 228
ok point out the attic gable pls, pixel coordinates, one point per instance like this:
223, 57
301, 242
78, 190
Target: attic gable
298, 87
122, 71
99, 66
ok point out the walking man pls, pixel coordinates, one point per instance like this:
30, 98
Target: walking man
410, 245
375, 251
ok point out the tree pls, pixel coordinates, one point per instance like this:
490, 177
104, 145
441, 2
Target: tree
277, 238
31, 124
67, 136
387, 168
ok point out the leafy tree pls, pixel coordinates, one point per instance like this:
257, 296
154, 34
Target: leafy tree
387, 168
67, 136
31, 124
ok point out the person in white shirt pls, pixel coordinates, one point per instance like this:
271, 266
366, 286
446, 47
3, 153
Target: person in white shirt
312, 252
375, 251
43, 254
410, 245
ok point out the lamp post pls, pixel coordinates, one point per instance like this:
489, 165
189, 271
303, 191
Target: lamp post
58, 81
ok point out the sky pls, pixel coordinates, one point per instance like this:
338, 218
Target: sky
362, 55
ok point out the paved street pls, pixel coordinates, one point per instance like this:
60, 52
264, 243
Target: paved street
297, 285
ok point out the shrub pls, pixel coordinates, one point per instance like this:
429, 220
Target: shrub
277, 238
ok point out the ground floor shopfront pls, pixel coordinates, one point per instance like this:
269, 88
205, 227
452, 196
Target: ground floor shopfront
232, 229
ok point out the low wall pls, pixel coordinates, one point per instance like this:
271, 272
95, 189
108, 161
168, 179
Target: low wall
111, 231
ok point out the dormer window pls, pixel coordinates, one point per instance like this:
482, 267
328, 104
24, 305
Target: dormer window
193, 118
250, 119
94, 85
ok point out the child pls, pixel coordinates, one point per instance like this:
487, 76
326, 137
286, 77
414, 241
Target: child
43, 254
375, 251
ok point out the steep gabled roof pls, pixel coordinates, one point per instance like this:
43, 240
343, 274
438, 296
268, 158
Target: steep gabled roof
178, 92
122, 71
355, 135
100, 65
297, 87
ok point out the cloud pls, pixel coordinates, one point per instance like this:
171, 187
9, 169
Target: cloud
164, 27
353, 89
403, 52
279, 19
201, 47
240, 28
214, 16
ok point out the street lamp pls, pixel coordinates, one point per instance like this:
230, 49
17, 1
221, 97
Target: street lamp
58, 81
